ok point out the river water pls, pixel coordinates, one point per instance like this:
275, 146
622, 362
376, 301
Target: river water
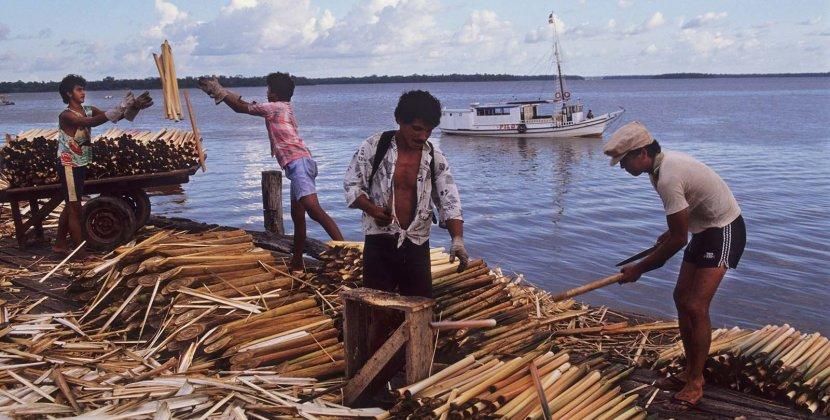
554, 210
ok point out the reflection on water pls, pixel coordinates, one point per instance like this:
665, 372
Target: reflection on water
553, 209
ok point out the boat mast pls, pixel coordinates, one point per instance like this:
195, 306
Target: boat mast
561, 95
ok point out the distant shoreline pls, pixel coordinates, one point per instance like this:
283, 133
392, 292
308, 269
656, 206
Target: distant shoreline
110, 83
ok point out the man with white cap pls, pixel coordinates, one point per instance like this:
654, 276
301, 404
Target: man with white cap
696, 200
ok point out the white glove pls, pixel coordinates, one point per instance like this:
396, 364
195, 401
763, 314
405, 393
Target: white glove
457, 250
211, 86
116, 113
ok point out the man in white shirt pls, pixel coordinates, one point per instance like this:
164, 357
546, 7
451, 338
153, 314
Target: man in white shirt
696, 200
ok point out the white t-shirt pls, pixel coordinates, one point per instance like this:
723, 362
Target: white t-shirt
683, 182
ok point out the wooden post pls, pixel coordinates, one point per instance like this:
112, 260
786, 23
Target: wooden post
19, 231
272, 201
197, 138
414, 334
34, 208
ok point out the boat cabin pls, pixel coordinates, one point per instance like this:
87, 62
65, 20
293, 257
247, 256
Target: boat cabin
510, 115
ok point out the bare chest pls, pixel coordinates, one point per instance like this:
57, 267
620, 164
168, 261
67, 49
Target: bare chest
406, 172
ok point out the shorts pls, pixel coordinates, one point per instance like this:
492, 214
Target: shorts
717, 247
72, 182
405, 270
302, 173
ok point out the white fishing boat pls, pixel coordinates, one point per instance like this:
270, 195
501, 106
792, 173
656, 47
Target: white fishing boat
557, 117
4, 100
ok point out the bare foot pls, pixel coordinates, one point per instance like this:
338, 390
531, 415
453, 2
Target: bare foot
60, 250
688, 397
296, 264
672, 382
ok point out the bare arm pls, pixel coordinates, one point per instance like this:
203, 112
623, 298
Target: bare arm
456, 228
71, 119
236, 103
675, 240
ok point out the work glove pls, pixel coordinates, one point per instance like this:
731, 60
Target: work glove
117, 112
457, 250
142, 101
211, 86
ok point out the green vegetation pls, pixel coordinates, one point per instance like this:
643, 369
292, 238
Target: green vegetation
111, 83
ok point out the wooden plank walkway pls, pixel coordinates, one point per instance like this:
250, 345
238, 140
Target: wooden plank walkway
717, 403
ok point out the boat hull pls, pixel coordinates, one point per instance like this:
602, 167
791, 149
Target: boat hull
588, 128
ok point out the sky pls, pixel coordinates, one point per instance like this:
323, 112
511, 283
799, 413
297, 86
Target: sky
45, 39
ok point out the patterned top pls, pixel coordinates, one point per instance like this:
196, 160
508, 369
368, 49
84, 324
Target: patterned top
286, 144
447, 199
76, 151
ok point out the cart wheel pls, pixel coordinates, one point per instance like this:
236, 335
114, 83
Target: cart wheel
107, 222
139, 202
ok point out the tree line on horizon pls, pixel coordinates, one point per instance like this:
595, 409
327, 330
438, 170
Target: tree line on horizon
111, 83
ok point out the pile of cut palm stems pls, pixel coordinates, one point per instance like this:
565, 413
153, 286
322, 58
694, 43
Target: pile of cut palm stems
169, 82
776, 362
514, 387
217, 301
29, 158
526, 315
196, 305
51, 365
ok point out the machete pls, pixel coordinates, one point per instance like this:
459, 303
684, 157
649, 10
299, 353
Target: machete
637, 256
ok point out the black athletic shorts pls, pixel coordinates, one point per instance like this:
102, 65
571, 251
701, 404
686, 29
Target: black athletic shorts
72, 182
717, 247
405, 270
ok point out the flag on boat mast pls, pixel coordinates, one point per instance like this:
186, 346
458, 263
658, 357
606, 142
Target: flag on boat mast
550, 18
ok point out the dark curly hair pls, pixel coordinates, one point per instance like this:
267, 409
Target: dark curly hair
68, 83
418, 104
281, 85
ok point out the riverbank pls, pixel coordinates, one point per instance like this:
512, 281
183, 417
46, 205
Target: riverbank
528, 321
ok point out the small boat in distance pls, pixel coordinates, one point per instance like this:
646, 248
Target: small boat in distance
4, 100
558, 117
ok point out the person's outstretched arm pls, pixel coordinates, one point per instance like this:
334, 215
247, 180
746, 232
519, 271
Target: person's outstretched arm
215, 90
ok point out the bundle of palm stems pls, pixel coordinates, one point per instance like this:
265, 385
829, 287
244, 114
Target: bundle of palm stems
30, 158
169, 82
776, 362
538, 383
55, 365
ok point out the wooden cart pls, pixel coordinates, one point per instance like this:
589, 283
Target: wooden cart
110, 219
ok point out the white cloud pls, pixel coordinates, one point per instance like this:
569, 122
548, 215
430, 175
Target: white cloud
706, 42
703, 19
239, 5
650, 50
258, 27
169, 15
545, 33
625, 3
483, 26
654, 21
611, 24
810, 22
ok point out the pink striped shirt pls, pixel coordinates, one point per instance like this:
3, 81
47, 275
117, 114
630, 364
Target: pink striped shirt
286, 144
